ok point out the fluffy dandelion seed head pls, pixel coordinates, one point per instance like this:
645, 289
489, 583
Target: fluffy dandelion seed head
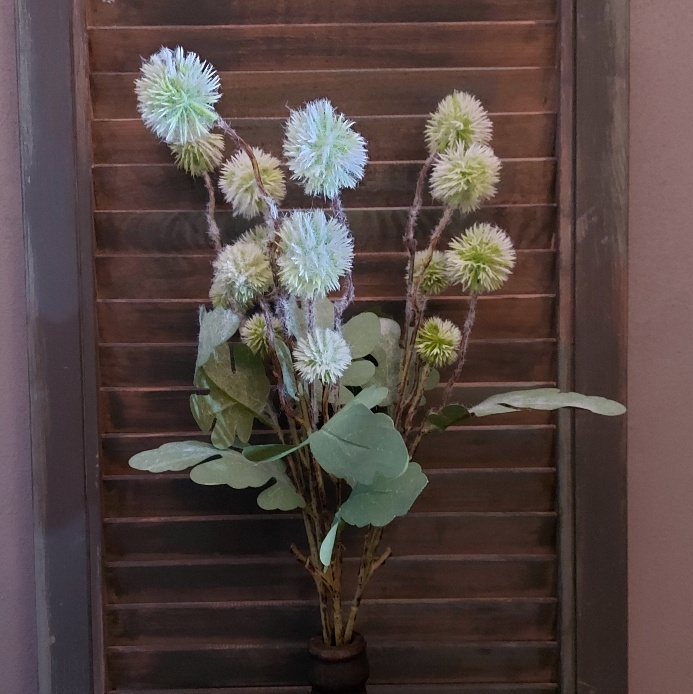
200, 156
254, 333
459, 118
434, 279
241, 272
323, 151
438, 342
482, 259
176, 93
314, 252
322, 355
465, 177
237, 182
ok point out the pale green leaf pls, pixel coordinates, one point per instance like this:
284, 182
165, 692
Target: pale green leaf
381, 502
202, 412
433, 380
327, 545
216, 327
281, 496
270, 451
173, 457
388, 355
358, 373
357, 444
370, 397
449, 415
324, 313
546, 399
235, 471
286, 363
362, 333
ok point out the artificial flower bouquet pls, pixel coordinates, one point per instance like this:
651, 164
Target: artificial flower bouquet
344, 395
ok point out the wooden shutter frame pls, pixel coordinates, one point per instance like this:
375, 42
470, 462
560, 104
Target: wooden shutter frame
57, 214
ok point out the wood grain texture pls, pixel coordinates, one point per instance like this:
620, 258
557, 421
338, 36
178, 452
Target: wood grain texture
489, 688
214, 12
342, 46
354, 92
529, 226
516, 135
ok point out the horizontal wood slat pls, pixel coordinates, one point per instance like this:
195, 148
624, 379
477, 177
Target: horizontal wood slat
173, 365
461, 490
350, 46
529, 226
499, 317
213, 579
492, 688
214, 12
515, 135
396, 620
149, 277
355, 92
164, 187
458, 447
470, 533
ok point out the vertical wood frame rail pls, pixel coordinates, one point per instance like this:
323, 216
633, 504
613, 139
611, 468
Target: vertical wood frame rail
592, 250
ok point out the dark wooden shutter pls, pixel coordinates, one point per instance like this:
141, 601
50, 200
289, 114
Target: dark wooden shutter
200, 591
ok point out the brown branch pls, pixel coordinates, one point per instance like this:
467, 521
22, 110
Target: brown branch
212, 228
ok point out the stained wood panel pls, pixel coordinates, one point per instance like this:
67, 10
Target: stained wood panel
201, 594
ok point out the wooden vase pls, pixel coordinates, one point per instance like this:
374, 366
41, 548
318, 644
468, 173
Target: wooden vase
338, 669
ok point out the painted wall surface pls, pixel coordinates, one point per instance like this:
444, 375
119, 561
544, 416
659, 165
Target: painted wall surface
661, 348
660, 363
17, 617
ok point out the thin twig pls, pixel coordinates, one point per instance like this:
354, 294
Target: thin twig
462, 356
212, 228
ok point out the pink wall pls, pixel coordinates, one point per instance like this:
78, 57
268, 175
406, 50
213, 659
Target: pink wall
17, 630
660, 358
661, 348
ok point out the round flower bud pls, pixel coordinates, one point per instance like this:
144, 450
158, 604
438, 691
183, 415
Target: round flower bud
438, 342
459, 119
323, 151
176, 93
314, 252
241, 272
254, 333
322, 355
237, 182
435, 278
200, 156
480, 260
465, 177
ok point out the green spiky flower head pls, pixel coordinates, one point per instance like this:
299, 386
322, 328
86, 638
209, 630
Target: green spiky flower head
323, 151
314, 253
322, 355
239, 186
482, 259
465, 177
459, 119
176, 93
254, 333
434, 279
241, 273
200, 156
438, 342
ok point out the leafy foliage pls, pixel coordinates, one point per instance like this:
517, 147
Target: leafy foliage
173, 457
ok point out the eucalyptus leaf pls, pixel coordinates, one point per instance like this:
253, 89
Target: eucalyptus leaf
286, 363
327, 545
449, 415
362, 333
202, 412
173, 457
235, 471
324, 313
546, 399
370, 397
270, 451
388, 355
281, 496
381, 502
433, 380
358, 374
216, 327
357, 444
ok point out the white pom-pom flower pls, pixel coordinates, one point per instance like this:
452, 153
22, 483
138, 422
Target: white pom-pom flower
465, 177
323, 151
237, 182
323, 355
241, 272
314, 252
459, 119
176, 93
482, 259
200, 156
438, 342
434, 279
254, 333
